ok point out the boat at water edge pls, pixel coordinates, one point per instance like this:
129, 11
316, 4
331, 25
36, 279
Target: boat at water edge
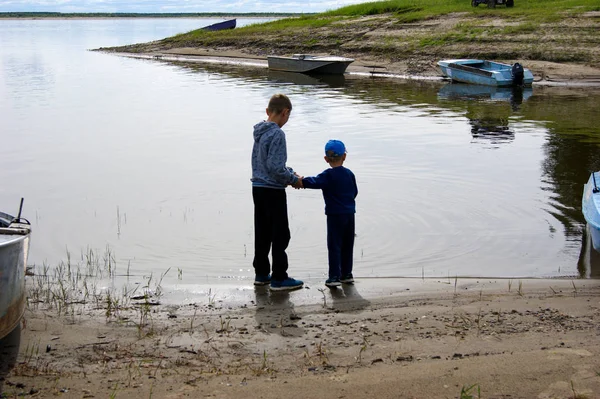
487, 73
590, 206
310, 64
229, 24
14, 248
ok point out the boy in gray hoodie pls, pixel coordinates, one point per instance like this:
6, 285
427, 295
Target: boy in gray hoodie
270, 177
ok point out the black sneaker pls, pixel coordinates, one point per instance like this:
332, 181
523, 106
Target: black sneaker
262, 280
333, 282
347, 279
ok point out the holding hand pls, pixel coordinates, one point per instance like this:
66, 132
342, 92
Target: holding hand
298, 185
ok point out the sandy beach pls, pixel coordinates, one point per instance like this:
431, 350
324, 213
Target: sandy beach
566, 53
545, 73
386, 338
449, 337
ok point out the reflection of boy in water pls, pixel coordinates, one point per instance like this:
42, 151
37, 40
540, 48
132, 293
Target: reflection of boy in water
339, 191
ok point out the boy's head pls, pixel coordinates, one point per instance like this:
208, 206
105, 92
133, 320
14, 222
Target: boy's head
279, 109
335, 152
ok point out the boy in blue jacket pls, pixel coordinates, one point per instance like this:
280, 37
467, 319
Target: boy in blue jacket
339, 191
270, 177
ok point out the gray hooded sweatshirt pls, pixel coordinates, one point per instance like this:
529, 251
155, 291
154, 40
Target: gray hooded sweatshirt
269, 156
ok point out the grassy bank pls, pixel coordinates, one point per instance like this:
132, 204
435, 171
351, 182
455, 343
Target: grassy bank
389, 31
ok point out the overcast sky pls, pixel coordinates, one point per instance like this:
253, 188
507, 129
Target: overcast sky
174, 5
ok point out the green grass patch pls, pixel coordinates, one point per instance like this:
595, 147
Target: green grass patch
279, 26
375, 8
410, 11
527, 27
347, 28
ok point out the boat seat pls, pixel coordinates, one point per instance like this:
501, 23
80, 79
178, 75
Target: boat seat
14, 231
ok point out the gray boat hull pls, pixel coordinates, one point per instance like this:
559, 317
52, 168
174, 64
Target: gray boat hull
14, 248
310, 64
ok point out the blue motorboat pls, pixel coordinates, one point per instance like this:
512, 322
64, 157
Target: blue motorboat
229, 24
488, 73
590, 205
14, 248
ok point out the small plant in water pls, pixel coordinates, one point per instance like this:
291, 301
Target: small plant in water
322, 291
363, 348
211, 298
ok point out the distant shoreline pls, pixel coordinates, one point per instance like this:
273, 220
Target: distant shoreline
57, 15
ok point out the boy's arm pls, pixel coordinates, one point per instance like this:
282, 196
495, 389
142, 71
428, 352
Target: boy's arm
355, 186
276, 161
317, 182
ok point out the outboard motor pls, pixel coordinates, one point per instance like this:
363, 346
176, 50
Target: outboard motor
518, 74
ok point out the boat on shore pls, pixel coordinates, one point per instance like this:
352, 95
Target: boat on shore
14, 248
310, 64
488, 73
590, 206
229, 24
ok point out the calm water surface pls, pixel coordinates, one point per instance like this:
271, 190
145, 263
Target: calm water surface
152, 160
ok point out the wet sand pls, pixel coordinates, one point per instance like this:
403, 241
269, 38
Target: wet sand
387, 338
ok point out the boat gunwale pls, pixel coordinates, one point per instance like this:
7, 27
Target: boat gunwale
16, 233
471, 69
593, 197
313, 58
17, 237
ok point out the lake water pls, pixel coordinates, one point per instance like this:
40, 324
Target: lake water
151, 159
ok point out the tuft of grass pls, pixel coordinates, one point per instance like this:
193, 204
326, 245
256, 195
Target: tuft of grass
469, 392
322, 291
526, 27
376, 8
363, 347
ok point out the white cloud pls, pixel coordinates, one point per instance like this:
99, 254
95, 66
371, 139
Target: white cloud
173, 5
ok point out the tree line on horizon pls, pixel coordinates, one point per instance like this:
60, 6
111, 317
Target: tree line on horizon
43, 14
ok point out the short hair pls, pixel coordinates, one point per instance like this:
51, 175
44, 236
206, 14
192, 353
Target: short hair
278, 103
332, 158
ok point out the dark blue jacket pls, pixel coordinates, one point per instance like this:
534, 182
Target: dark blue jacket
339, 189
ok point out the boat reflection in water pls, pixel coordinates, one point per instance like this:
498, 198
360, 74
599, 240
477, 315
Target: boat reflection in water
9, 352
494, 129
303, 79
589, 259
480, 92
489, 108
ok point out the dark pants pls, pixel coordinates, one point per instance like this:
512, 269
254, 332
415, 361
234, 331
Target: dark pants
271, 231
340, 244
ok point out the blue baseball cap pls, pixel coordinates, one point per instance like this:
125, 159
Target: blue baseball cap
335, 148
